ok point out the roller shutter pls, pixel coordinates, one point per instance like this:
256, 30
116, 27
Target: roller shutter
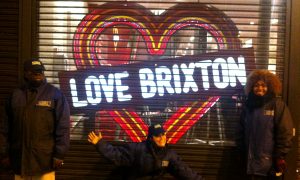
127, 64
9, 53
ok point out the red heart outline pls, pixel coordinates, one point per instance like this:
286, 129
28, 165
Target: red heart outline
155, 30
156, 33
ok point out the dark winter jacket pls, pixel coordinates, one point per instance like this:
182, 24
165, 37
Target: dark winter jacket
37, 130
265, 133
145, 161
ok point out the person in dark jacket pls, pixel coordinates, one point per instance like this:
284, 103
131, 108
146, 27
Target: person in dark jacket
150, 159
266, 127
35, 132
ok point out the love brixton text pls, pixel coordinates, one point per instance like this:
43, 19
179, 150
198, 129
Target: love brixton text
142, 82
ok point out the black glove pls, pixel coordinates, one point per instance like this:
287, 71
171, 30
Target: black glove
57, 163
280, 165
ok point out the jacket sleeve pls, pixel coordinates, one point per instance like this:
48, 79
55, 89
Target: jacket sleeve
240, 132
180, 170
62, 130
283, 129
4, 128
119, 155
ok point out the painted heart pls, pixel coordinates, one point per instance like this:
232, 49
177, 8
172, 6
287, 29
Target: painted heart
156, 32
176, 126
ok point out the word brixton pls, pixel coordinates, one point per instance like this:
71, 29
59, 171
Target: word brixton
168, 80
142, 83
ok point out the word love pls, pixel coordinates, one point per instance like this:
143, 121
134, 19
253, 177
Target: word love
146, 82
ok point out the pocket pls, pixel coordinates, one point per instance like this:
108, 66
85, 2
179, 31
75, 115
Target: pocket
44, 119
43, 157
266, 164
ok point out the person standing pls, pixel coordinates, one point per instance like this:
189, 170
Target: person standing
35, 130
266, 128
150, 159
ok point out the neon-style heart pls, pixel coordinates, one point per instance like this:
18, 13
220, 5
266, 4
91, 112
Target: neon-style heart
176, 126
156, 32
115, 52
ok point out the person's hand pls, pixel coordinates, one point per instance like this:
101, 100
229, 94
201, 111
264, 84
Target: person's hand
93, 138
5, 163
281, 165
57, 163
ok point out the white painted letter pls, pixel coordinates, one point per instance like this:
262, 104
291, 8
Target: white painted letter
148, 86
89, 90
176, 78
189, 79
74, 93
203, 65
121, 88
163, 78
237, 71
107, 86
216, 74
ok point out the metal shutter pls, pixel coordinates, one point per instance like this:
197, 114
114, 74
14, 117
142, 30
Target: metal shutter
9, 53
82, 37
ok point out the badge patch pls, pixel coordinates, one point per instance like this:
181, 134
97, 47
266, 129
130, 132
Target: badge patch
44, 103
36, 63
269, 112
164, 163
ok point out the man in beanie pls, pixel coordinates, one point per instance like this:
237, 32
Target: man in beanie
34, 133
150, 159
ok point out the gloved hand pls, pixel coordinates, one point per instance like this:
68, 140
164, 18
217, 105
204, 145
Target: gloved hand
280, 165
57, 163
94, 138
5, 163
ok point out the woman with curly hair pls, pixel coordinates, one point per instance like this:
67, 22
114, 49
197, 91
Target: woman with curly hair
266, 127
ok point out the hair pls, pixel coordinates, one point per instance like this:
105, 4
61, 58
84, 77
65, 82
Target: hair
272, 81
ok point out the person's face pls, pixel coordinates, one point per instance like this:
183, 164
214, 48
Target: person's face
160, 140
260, 88
35, 78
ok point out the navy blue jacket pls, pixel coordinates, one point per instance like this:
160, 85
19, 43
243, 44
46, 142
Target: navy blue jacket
265, 133
141, 162
33, 133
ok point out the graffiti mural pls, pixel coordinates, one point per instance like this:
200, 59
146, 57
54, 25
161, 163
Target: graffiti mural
129, 76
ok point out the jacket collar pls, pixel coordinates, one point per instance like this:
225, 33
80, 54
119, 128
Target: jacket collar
38, 89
